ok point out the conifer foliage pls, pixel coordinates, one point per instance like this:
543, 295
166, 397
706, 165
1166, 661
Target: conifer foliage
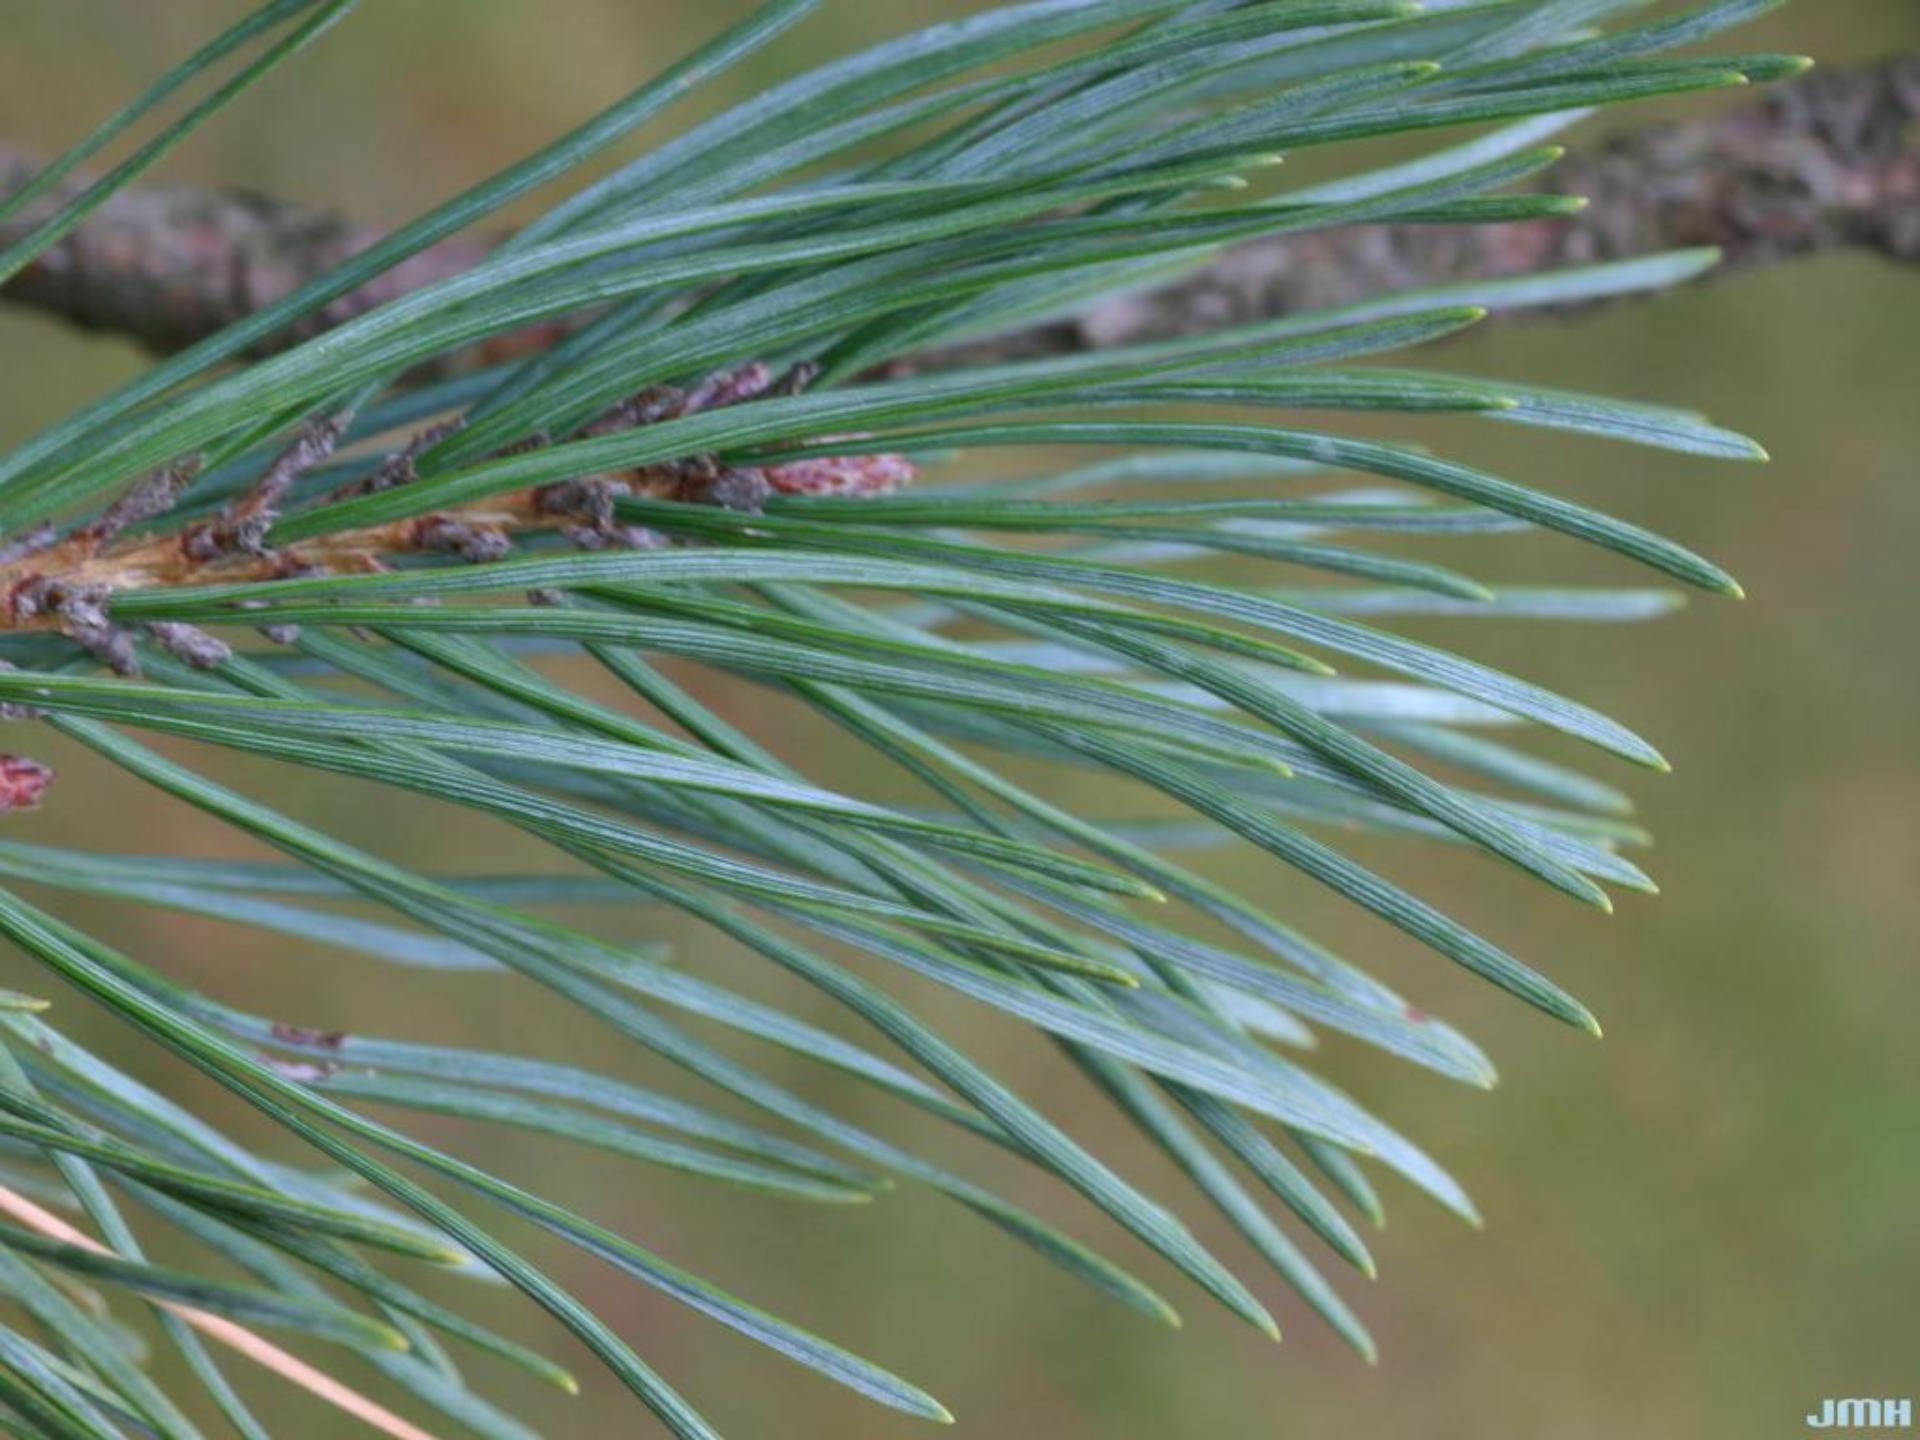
742, 455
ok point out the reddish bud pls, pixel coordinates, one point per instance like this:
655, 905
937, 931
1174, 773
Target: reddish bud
22, 782
843, 475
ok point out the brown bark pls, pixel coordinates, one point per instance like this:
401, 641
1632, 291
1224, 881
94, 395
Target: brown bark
66, 585
1825, 163
167, 265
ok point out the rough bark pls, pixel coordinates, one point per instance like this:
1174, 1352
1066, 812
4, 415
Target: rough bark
1826, 163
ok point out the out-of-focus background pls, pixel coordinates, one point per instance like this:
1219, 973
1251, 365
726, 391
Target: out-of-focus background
1696, 1228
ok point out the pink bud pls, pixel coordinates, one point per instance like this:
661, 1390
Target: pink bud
843, 475
22, 782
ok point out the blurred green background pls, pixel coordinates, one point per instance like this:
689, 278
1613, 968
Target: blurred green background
1696, 1228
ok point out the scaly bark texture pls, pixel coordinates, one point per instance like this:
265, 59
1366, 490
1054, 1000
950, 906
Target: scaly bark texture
168, 265
65, 585
1825, 163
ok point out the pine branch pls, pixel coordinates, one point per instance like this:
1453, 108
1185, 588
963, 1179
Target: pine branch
1822, 164
1826, 163
1050, 619
66, 585
168, 265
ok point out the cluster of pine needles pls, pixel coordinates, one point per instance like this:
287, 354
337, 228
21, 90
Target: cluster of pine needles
312, 555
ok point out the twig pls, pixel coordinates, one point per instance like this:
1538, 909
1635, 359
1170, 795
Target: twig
1824, 163
67, 586
1819, 165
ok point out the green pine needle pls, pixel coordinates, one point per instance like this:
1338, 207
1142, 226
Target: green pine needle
1203, 615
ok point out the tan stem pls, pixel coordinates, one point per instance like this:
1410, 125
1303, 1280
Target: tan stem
235, 1337
163, 561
